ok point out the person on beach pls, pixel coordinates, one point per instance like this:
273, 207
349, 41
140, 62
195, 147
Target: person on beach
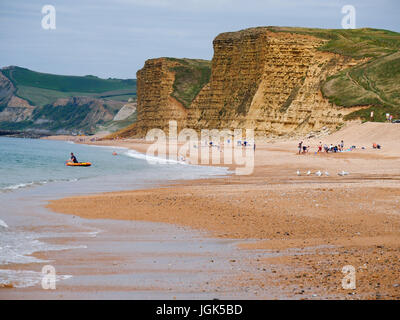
254, 147
320, 147
73, 158
300, 146
341, 145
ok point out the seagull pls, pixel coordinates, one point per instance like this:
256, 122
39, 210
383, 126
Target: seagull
308, 172
327, 173
318, 173
298, 173
343, 173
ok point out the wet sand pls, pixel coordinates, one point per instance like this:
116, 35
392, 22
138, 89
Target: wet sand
114, 259
328, 221
144, 261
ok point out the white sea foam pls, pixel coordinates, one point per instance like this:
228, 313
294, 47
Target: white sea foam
24, 278
3, 224
107, 147
33, 183
197, 170
152, 159
18, 186
18, 246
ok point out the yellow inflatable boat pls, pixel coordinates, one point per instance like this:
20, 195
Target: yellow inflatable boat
79, 164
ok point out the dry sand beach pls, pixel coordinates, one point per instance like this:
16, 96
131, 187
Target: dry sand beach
314, 225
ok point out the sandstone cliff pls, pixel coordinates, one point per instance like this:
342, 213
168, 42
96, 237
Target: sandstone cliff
268, 79
166, 89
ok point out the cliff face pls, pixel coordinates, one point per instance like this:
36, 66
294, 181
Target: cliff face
155, 87
83, 113
6, 91
261, 78
166, 89
12, 108
270, 82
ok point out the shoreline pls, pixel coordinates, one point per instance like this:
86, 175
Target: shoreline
355, 216
141, 252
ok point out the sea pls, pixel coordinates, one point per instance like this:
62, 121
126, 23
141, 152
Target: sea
33, 171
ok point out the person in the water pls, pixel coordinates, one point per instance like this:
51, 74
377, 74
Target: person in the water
73, 158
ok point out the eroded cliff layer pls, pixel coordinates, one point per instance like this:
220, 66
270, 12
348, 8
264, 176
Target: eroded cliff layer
267, 79
166, 89
270, 82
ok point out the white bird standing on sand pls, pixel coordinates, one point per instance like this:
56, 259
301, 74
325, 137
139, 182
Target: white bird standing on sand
298, 172
343, 173
327, 173
318, 173
308, 172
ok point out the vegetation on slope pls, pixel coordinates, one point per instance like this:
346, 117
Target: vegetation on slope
373, 83
190, 77
116, 125
355, 43
91, 101
43, 88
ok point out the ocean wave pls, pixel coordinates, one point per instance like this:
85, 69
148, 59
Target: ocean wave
152, 159
24, 278
206, 170
33, 183
3, 224
107, 147
18, 186
18, 247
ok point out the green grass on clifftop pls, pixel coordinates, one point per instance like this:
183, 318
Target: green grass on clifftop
375, 82
355, 43
190, 77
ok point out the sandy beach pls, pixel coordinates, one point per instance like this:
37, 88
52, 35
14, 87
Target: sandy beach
328, 221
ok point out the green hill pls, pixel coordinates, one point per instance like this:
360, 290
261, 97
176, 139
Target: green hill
31, 100
44, 88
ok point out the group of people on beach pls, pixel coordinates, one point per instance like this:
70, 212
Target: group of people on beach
327, 148
239, 143
331, 148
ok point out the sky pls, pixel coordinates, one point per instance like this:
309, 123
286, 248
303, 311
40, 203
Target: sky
114, 38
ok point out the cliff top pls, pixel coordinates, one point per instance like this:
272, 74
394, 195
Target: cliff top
373, 81
355, 43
